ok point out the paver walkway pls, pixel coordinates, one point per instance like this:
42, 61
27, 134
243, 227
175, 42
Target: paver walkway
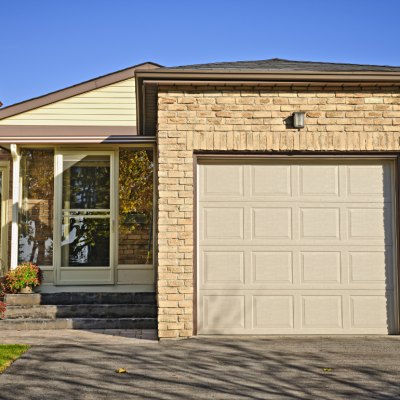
74, 336
222, 368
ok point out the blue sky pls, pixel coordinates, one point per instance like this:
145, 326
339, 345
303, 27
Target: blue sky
48, 45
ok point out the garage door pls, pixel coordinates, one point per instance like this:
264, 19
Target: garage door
293, 247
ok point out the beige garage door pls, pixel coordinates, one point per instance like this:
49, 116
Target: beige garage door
297, 247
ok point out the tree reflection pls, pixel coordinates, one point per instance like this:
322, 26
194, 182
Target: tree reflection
35, 223
86, 186
135, 205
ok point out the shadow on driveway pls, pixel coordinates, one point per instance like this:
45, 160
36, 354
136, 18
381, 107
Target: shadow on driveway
211, 368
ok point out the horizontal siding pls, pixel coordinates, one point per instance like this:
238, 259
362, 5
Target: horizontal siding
113, 105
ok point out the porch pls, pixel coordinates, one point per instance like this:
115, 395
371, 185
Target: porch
84, 215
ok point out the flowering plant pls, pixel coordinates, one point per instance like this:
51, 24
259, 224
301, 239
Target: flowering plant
2, 309
26, 274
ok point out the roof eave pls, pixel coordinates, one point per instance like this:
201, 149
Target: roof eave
360, 76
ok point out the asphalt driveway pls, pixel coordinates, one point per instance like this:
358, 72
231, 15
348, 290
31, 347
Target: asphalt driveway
211, 368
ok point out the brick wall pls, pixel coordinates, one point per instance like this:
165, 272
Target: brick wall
133, 242
233, 119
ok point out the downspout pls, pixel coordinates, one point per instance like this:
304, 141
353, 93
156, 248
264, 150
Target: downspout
144, 110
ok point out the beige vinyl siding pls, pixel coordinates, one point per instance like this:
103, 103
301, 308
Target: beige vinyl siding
113, 105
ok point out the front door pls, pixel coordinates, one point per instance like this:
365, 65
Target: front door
84, 234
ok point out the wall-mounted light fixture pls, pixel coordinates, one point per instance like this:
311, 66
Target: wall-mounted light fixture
298, 119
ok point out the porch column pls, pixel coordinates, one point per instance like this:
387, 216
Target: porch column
15, 205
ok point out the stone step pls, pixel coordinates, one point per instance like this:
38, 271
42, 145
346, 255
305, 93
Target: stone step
78, 323
82, 311
70, 298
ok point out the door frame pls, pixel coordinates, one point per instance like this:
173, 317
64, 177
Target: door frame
59, 280
237, 155
5, 190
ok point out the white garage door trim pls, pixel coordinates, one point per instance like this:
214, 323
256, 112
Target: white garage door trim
311, 298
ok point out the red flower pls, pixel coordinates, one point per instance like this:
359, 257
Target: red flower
26, 274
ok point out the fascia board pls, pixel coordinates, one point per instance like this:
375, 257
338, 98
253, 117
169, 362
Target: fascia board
273, 75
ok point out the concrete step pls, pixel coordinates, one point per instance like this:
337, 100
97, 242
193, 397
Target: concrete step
78, 323
71, 298
82, 311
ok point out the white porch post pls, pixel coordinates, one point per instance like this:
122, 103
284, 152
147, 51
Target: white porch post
15, 206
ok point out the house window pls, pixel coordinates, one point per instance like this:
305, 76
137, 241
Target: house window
135, 207
35, 222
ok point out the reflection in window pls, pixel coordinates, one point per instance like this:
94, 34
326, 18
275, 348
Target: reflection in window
86, 182
85, 241
35, 222
135, 207
85, 236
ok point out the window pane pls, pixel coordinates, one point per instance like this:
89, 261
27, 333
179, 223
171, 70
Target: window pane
35, 224
86, 182
135, 206
85, 242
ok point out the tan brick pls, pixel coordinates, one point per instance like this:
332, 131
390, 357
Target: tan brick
185, 318
186, 333
314, 115
168, 334
166, 100
186, 100
225, 100
176, 326
245, 101
373, 100
169, 304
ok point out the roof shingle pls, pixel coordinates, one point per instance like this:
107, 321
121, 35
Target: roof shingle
275, 64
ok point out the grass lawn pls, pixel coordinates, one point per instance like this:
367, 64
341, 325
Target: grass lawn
9, 353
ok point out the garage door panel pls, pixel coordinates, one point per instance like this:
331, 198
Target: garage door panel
224, 311
298, 248
317, 180
320, 223
298, 312
221, 267
371, 181
223, 223
320, 267
222, 181
271, 181
272, 222
370, 223
321, 311
272, 267
296, 267
371, 267
372, 311
271, 312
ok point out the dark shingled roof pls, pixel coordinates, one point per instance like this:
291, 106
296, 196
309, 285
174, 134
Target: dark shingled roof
287, 65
